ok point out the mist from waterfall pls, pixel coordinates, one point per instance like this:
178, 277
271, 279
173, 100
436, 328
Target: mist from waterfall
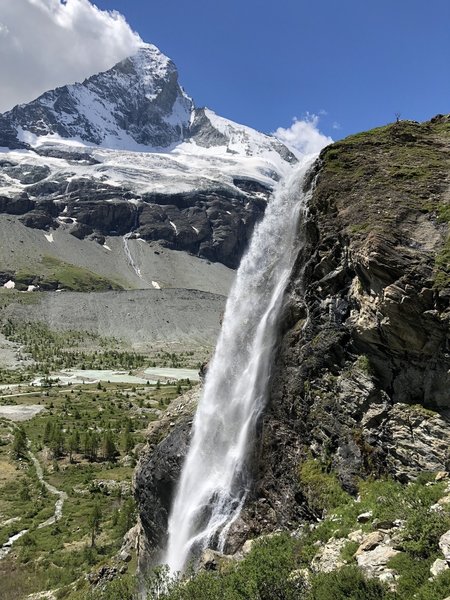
215, 480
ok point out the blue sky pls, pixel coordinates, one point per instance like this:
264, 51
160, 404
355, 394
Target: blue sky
351, 64
262, 63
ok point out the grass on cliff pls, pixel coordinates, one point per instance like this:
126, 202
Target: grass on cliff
384, 179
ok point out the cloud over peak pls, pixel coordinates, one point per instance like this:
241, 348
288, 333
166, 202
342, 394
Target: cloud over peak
303, 136
48, 43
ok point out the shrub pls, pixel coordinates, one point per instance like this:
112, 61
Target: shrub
321, 489
348, 583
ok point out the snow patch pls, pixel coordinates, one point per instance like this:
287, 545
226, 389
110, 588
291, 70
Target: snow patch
174, 226
156, 285
49, 237
9, 285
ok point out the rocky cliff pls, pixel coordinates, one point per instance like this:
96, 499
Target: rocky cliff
361, 376
360, 380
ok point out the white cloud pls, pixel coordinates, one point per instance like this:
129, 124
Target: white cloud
47, 43
303, 136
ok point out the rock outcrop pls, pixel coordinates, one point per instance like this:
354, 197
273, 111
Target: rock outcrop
158, 471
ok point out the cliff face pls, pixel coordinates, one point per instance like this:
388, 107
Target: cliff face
360, 380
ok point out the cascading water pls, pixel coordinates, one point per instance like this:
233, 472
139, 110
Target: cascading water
215, 478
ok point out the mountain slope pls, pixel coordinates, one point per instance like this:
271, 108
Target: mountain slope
126, 153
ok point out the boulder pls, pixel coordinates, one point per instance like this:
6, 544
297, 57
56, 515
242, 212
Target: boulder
438, 567
328, 558
370, 542
364, 517
444, 545
374, 562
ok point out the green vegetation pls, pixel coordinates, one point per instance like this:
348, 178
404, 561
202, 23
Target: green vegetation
362, 363
442, 267
54, 350
8, 297
87, 441
321, 489
53, 273
278, 567
19, 446
403, 165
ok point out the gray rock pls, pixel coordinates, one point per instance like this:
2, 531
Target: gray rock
125, 556
444, 545
438, 567
385, 525
328, 558
364, 517
374, 562
370, 542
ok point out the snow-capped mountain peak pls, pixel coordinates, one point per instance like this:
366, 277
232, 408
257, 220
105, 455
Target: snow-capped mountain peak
136, 103
127, 152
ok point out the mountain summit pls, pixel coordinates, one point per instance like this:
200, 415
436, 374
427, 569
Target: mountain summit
137, 105
127, 154
138, 102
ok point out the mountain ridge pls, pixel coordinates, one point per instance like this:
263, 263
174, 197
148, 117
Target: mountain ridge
127, 153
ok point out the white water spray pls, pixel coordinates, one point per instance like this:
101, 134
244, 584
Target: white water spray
216, 477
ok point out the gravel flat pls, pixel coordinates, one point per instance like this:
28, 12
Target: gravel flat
170, 319
20, 412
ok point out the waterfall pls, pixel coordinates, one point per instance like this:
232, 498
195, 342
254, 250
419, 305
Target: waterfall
215, 479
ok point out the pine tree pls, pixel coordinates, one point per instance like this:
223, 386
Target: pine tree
128, 442
19, 448
94, 522
48, 432
73, 444
108, 446
57, 441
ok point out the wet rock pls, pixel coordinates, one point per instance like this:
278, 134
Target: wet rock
210, 560
156, 476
